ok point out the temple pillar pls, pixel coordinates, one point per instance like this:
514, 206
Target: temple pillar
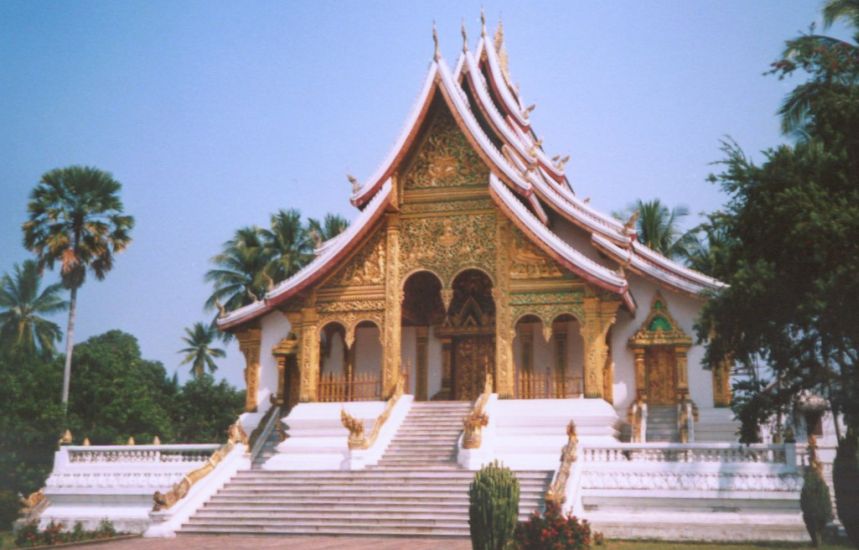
285, 350
640, 376
391, 340
422, 350
249, 344
599, 315
560, 334
504, 329
681, 362
608, 373
722, 384
309, 356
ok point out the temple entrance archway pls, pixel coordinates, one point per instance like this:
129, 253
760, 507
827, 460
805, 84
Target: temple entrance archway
422, 310
470, 329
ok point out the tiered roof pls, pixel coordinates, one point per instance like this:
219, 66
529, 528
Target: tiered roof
524, 182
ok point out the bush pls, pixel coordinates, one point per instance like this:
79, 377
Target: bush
845, 478
816, 505
493, 507
10, 505
553, 530
29, 535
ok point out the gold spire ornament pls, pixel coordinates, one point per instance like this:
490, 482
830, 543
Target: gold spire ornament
482, 23
222, 311
436, 55
464, 36
629, 226
156, 440
130, 441
559, 164
530, 109
356, 185
86, 442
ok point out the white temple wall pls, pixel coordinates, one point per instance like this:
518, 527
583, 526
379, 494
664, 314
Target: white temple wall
579, 239
368, 350
275, 327
685, 310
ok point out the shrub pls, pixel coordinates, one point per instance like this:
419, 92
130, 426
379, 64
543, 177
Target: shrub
845, 478
10, 505
29, 535
493, 507
816, 505
553, 530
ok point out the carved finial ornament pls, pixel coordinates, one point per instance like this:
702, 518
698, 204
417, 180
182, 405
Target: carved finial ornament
130, 440
436, 55
528, 110
482, 22
156, 440
464, 36
561, 162
499, 35
86, 442
629, 226
222, 312
356, 185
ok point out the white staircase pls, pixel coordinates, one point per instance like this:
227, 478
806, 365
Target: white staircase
662, 423
417, 489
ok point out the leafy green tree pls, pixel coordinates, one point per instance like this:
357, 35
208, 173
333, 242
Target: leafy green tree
200, 353
205, 410
331, 226
118, 393
658, 227
240, 275
22, 307
76, 219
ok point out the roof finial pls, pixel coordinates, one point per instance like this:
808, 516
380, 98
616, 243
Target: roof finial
629, 226
436, 55
482, 23
499, 35
356, 185
559, 164
464, 36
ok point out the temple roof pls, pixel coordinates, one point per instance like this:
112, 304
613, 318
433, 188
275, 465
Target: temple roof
523, 182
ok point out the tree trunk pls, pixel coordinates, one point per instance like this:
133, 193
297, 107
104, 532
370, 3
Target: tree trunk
70, 332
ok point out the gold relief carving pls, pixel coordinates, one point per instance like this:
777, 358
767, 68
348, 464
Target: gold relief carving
558, 488
641, 388
504, 330
287, 347
367, 267
446, 207
351, 305
309, 355
393, 308
249, 344
477, 419
660, 328
350, 320
529, 262
722, 384
445, 158
599, 316
447, 245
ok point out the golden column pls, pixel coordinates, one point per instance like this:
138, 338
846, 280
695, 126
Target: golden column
640, 377
722, 384
393, 309
309, 355
599, 317
682, 371
283, 351
504, 330
249, 344
421, 365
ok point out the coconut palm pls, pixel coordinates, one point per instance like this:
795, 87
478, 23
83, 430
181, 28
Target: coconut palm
832, 63
658, 228
200, 353
240, 275
76, 219
287, 244
22, 307
331, 226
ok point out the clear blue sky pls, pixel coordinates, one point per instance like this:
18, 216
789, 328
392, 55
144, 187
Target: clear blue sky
215, 114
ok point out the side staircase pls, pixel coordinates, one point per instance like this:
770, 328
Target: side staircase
662, 424
417, 489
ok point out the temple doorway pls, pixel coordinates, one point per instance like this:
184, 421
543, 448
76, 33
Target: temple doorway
661, 369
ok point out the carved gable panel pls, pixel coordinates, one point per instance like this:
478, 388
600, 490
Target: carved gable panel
445, 158
527, 261
366, 268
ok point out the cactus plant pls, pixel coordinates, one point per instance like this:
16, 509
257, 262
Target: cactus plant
493, 507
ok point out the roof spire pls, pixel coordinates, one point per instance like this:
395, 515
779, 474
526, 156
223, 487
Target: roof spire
464, 36
499, 35
436, 55
482, 23
356, 185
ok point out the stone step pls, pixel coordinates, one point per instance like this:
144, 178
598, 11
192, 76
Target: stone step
527, 499
457, 473
438, 532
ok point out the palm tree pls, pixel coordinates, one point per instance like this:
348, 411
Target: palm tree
287, 245
22, 325
658, 228
832, 63
241, 276
331, 226
76, 219
200, 352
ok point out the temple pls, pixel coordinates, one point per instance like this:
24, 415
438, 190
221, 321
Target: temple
476, 309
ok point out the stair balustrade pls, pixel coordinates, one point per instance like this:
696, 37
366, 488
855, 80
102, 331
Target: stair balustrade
258, 437
477, 418
357, 439
557, 492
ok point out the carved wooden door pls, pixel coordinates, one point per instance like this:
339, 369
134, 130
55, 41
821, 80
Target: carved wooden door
472, 356
661, 376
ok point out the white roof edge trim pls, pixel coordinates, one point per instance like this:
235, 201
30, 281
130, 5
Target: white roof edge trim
559, 245
409, 124
512, 103
341, 241
578, 203
464, 111
638, 264
545, 161
326, 244
684, 271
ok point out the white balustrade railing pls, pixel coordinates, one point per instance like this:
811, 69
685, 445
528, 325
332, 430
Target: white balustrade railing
139, 454
719, 453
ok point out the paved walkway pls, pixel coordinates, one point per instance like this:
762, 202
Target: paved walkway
237, 542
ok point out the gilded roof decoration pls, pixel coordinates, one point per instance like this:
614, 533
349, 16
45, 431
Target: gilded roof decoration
660, 328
